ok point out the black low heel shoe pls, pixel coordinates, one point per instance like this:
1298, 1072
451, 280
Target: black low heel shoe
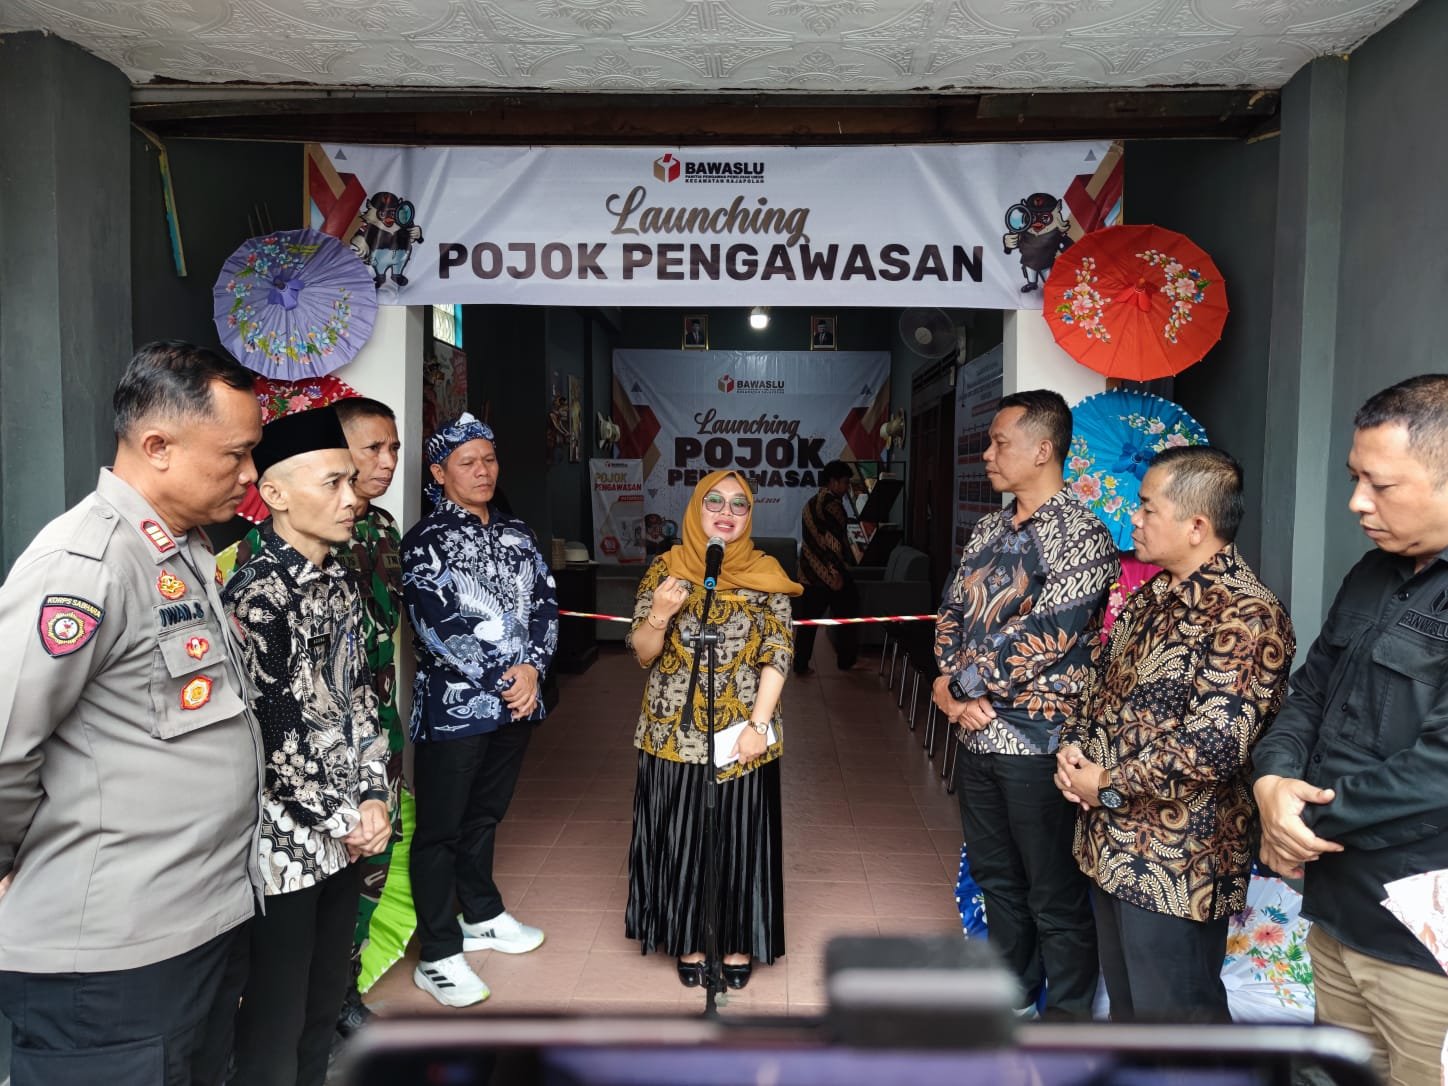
737, 976
691, 974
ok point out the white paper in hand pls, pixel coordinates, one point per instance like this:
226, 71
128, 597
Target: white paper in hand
725, 741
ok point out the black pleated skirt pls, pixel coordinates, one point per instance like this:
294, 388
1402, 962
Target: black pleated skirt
666, 861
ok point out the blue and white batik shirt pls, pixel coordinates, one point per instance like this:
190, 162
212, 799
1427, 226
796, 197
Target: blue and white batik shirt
481, 600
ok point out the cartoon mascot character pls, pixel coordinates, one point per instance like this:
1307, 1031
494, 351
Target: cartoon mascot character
386, 237
1038, 231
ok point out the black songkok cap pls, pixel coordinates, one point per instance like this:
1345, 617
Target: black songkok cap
292, 435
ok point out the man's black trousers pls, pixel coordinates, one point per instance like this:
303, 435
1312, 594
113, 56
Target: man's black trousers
166, 1023
462, 788
1159, 967
1018, 832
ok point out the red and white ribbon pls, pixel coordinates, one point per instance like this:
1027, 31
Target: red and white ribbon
797, 622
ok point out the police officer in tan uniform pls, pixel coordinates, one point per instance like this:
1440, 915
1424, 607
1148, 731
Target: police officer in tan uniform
129, 761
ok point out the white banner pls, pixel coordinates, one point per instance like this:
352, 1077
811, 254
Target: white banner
975, 225
978, 389
777, 416
620, 529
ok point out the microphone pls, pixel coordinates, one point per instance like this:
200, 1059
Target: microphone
713, 559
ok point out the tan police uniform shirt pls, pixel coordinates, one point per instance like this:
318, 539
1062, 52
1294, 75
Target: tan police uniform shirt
130, 765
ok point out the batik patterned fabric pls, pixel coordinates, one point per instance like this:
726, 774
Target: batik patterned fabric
1019, 620
754, 634
481, 601
375, 558
1190, 677
312, 694
824, 542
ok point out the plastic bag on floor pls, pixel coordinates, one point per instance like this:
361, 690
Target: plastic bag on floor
1268, 972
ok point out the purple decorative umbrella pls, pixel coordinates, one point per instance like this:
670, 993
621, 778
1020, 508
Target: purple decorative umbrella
294, 304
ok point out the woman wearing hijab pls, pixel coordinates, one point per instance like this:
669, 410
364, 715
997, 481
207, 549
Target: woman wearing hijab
666, 858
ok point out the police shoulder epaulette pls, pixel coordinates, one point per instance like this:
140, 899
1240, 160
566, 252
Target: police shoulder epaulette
93, 531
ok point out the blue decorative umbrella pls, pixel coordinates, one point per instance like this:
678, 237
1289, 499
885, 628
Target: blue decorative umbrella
294, 304
1114, 437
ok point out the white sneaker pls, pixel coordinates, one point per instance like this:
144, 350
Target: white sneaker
501, 933
451, 981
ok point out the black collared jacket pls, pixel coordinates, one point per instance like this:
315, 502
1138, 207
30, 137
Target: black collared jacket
1367, 716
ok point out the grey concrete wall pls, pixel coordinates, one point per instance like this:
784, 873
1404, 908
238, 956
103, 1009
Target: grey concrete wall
1223, 196
65, 285
226, 191
1303, 354
1394, 265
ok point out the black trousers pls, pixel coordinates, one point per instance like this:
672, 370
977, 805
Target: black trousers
164, 1023
813, 603
462, 788
1158, 967
1018, 831
301, 963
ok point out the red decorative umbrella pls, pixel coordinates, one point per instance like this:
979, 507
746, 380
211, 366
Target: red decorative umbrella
1135, 302
278, 398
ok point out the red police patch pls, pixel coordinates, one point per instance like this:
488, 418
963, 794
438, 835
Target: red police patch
67, 623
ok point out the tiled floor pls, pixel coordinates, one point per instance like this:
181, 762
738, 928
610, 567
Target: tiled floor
871, 838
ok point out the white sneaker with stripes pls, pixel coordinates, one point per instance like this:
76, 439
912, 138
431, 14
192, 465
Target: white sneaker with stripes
502, 933
451, 981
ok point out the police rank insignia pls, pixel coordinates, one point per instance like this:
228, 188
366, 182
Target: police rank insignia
157, 535
67, 623
197, 647
196, 693
171, 586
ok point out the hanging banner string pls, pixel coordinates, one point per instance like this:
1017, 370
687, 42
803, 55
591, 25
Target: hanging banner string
868, 619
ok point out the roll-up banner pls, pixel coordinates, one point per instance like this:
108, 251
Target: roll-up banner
974, 226
777, 417
622, 535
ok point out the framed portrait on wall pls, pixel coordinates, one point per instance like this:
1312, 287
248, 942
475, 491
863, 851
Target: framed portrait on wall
822, 333
696, 332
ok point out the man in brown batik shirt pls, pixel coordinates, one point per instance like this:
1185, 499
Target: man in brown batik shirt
1194, 671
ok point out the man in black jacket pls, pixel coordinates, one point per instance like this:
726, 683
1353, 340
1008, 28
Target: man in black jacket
1350, 779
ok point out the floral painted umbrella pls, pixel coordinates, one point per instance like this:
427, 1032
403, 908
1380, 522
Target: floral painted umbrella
294, 304
1135, 302
278, 398
1114, 437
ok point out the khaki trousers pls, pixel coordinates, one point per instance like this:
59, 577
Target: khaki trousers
1402, 1010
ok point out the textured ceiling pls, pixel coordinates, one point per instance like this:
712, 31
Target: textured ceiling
880, 46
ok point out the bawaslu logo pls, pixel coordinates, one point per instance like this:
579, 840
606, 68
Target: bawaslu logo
668, 167
730, 384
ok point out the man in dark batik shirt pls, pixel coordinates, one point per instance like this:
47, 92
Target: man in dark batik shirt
1195, 669
825, 558
1013, 643
325, 790
374, 556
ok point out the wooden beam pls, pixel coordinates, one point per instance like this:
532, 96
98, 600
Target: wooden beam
490, 118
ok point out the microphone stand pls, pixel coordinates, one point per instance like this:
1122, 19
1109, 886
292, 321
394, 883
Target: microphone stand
708, 636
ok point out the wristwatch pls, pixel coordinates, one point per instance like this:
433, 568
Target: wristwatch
1110, 798
762, 727
957, 691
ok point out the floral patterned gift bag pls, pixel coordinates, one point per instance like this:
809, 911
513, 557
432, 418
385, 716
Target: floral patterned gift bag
1268, 973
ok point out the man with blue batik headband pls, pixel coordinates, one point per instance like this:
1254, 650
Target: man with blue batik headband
485, 623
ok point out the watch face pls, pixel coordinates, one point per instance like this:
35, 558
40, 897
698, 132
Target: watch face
1111, 799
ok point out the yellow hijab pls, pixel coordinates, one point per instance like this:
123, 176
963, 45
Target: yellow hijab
744, 565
